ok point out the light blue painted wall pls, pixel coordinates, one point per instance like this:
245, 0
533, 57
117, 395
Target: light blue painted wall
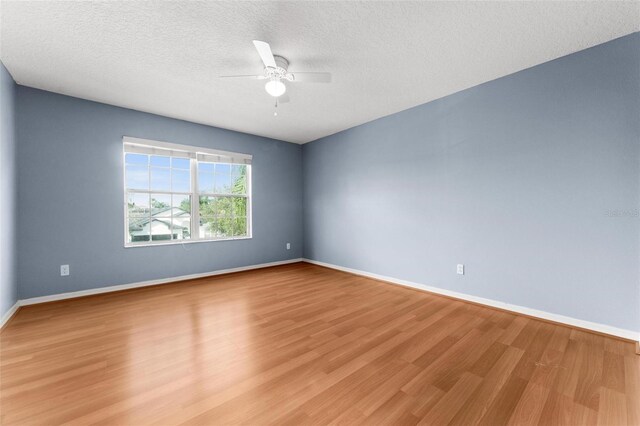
8, 281
71, 197
513, 178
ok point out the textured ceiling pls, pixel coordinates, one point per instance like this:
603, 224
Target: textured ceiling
164, 57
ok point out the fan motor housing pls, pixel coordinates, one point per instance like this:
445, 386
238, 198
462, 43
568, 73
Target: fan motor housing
281, 62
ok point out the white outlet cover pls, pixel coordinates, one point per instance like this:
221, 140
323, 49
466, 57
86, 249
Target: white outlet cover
64, 270
460, 269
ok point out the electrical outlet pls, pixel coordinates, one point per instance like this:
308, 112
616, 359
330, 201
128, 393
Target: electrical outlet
64, 270
460, 269
288, 246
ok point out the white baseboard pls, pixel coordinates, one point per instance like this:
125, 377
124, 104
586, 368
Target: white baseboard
7, 316
600, 328
90, 292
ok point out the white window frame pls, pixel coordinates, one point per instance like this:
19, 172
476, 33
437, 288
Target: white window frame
193, 152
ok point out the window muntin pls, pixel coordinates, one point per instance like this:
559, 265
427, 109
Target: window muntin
185, 195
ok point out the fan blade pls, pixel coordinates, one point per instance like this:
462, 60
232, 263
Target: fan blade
255, 77
312, 77
264, 50
284, 99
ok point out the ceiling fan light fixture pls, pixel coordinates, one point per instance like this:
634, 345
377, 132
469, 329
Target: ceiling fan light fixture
275, 87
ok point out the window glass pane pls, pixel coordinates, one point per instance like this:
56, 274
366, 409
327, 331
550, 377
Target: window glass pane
137, 177
238, 169
181, 180
240, 227
239, 206
205, 167
205, 182
224, 169
181, 204
208, 228
180, 163
160, 205
160, 179
224, 207
182, 227
160, 228
138, 159
157, 160
216, 206
239, 185
138, 229
160, 231
225, 227
216, 228
223, 184
208, 206
138, 204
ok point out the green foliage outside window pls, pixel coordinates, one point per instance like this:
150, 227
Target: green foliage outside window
226, 215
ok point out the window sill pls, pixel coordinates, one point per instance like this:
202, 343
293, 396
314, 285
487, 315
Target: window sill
178, 243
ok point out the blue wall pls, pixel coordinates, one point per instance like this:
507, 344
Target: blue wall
70, 199
531, 181
8, 281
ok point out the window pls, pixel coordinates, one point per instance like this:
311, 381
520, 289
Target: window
178, 193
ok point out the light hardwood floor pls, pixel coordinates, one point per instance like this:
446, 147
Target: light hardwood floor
301, 344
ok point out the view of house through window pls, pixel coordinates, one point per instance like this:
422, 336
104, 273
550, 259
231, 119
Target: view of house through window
176, 193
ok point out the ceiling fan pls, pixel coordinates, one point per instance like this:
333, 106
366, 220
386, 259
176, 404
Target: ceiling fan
276, 72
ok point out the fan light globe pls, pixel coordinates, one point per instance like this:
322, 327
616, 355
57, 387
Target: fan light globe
275, 88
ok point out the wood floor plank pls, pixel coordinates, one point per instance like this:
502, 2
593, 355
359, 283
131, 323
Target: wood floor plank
612, 409
449, 405
613, 375
529, 409
501, 409
396, 410
590, 378
301, 344
489, 389
632, 388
